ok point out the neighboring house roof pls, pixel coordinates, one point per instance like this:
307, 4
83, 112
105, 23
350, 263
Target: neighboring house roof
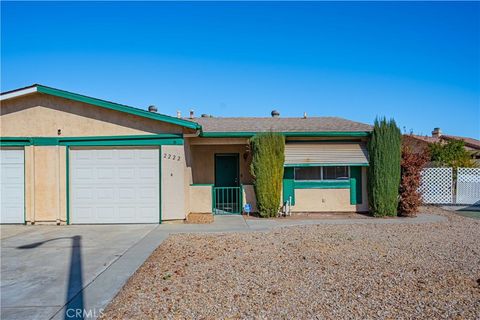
217, 126
420, 143
97, 102
426, 139
469, 142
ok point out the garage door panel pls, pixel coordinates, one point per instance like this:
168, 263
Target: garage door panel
83, 173
12, 171
106, 173
127, 154
148, 193
127, 193
12, 193
124, 185
125, 212
12, 190
126, 172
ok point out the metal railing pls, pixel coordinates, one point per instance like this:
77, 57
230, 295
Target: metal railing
227, 200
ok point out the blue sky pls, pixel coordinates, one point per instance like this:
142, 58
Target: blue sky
415, 62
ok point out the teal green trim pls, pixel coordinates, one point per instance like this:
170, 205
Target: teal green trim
127, 137
67, 176
328, 134
24, 191
241, 198
15, 141
213, 199
353, 191
132, 140
152, 142
202, 184
45, 141
117, 107
159, 184
288, 185
287, 134
227, 134
356, 176
322, 184
326, 165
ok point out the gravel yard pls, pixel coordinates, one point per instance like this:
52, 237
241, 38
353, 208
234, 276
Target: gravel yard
426, 271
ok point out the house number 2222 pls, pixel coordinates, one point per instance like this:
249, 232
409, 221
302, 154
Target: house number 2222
171, 156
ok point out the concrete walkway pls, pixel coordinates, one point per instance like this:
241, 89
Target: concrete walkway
101, 274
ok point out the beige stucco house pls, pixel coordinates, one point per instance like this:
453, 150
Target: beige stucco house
72, 159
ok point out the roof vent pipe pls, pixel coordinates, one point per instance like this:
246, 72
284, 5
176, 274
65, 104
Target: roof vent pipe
191, 114
152, 108
179, 114
304, 115
275, 114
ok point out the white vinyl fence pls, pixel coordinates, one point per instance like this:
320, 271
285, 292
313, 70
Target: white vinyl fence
436, 185
468, 186
440, 186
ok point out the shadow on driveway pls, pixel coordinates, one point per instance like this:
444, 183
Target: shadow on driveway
75, 307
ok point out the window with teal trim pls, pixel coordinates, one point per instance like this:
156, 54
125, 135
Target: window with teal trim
322, 173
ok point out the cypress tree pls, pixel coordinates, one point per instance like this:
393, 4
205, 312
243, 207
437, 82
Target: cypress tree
384, 149
268, 151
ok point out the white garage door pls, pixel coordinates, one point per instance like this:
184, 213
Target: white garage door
114, 185
12, 186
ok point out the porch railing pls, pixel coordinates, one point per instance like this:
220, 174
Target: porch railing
227, 200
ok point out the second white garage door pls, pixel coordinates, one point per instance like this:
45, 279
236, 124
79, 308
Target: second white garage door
11, 186
114, 185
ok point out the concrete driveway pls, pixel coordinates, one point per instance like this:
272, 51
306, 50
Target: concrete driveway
45, 268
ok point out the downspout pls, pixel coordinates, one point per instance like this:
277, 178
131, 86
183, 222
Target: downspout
58, 182
32, 187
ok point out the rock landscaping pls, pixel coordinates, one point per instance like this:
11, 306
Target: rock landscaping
386, 271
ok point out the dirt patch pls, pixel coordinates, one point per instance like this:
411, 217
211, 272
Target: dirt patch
199, 218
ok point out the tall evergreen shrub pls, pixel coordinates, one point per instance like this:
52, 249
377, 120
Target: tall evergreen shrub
384, 148
268, 151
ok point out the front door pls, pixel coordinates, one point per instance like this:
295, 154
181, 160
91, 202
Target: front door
226, 170
227, 184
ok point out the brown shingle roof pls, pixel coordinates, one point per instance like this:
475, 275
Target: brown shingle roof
424, 138
310, 124
469, 142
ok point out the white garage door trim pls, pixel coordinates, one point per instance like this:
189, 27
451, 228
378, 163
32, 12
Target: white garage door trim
111, 185
12, 185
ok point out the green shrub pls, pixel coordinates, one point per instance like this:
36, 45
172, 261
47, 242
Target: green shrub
384, 149
451, 154
268, 150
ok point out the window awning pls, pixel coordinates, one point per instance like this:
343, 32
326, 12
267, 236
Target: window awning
323, 153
